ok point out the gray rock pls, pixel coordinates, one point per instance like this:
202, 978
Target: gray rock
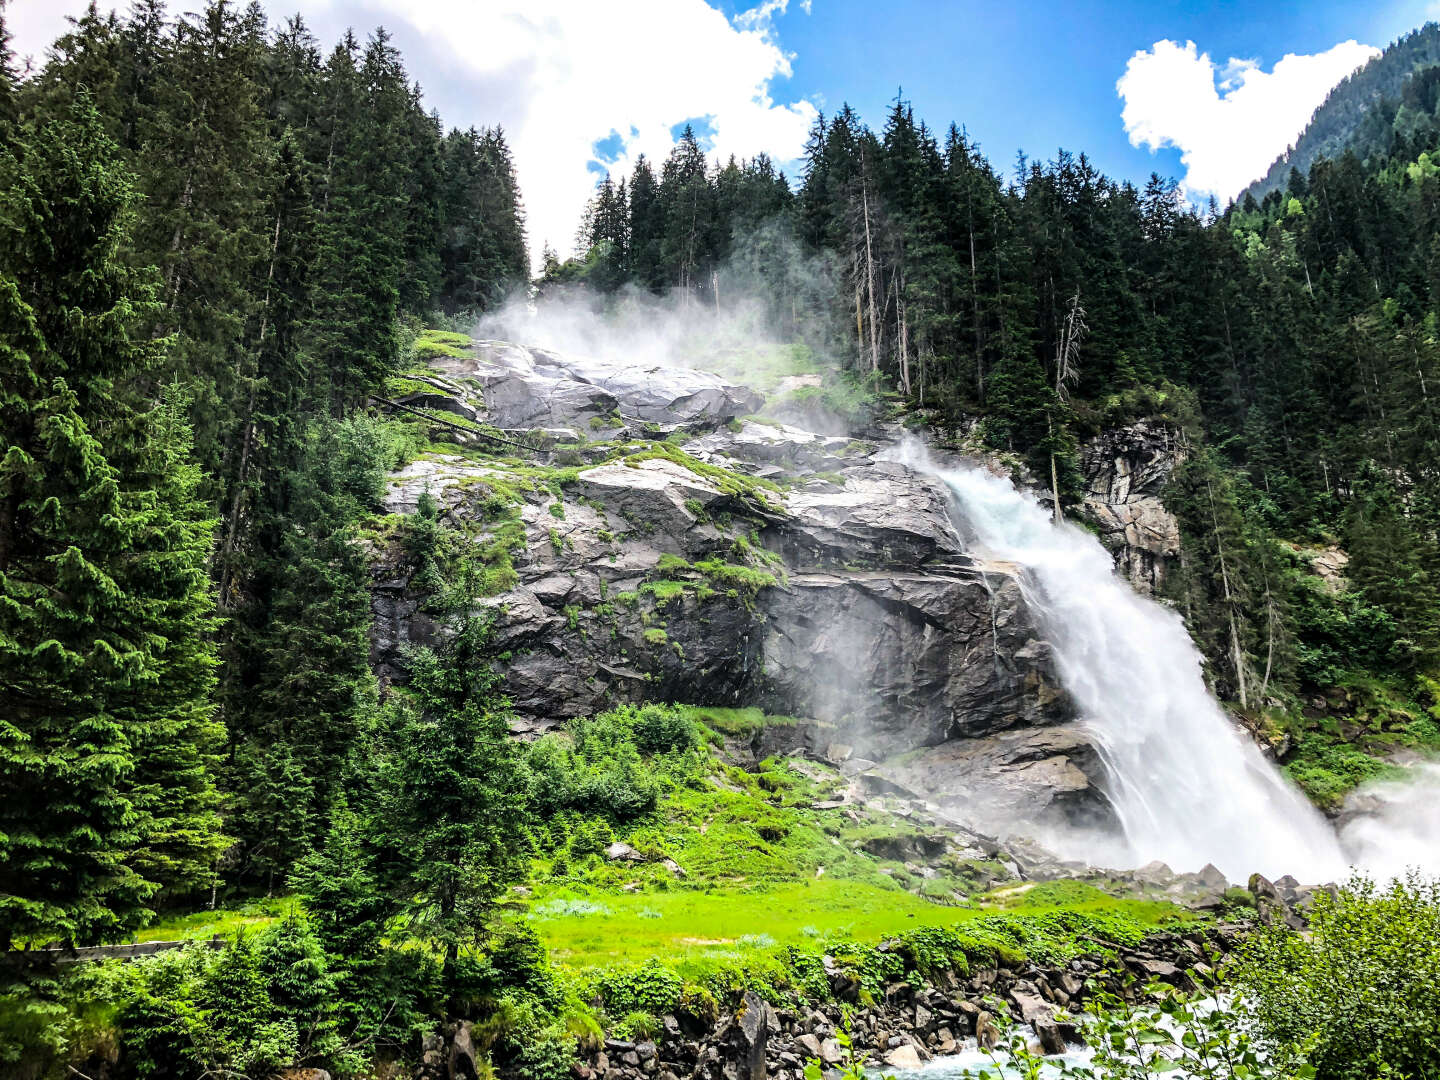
903, 1057
1031, 1006
462, 1054
1125, 471
529, 388
1051, 1040
745, 1037
986, 1033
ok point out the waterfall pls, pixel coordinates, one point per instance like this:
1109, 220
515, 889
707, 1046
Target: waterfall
1187, 787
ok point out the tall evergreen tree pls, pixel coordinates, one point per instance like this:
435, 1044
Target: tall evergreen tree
102, 546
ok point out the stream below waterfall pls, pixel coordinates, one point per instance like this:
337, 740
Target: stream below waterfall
1187, 786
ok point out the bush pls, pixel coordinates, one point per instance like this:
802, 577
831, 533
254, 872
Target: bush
651, 988
1363, 988
661, 729
598, 765
263, 1003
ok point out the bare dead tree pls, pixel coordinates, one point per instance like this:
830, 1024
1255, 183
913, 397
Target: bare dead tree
1067, 372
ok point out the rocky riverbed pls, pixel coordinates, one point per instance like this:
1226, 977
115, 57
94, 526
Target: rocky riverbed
904, 1029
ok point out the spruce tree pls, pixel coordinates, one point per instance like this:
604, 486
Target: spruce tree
451, 834
104, 663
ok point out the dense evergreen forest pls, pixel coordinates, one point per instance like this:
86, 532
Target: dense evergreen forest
224, 240
220, 240
1394, 94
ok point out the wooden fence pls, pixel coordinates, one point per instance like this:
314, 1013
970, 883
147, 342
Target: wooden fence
55, 956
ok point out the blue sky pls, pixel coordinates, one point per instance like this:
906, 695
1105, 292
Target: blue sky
1039, 76
567, 76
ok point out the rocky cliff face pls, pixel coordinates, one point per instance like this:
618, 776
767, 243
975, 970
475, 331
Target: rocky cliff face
1125, 471
751, 564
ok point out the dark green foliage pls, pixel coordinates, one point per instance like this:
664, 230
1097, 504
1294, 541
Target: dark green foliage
298, 686
449, 835
105, 666
598, 766
267, 1001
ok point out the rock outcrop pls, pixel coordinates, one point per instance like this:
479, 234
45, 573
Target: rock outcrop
1125, 471
524, 388
842, 593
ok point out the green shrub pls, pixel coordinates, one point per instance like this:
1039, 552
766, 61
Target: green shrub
1362, 988
267, 1001
663, 729
651, 988
598, 765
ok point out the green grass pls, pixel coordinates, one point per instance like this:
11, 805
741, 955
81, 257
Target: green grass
761, 868
735, 721
433, 344
694, 930
222, 922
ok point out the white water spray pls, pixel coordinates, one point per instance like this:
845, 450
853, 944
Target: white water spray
1187, 787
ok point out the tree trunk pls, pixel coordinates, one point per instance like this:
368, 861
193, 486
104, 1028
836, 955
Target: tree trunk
869, 269
1237, 657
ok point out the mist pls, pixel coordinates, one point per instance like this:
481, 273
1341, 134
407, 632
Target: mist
1401, 826
768, 293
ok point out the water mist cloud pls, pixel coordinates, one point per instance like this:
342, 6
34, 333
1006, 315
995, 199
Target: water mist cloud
1403, 831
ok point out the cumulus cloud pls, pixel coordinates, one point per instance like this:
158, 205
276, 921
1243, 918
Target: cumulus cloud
1228, 121
562, 75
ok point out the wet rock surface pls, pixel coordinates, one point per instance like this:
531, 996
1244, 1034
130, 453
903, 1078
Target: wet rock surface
523, 387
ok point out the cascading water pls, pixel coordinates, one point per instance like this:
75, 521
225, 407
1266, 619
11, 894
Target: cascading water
1186, 786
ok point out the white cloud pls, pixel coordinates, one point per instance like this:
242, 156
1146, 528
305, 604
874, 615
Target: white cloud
561, 74
586, 70
1229, 122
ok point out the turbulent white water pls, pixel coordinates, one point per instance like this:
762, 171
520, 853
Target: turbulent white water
1187, 787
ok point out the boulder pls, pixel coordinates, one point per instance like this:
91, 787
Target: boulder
462, 1054
744, 1037
1051, 1040
987, 1035
904, 1056
1030, 1005
808, 1045
620, 851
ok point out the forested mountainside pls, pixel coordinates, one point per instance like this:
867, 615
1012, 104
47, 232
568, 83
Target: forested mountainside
487, 709
1372, 112
247, 229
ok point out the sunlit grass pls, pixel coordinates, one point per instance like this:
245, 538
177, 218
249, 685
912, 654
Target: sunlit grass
225, 922
692, 930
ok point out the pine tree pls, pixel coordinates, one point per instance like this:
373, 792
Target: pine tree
451, 834
102, 544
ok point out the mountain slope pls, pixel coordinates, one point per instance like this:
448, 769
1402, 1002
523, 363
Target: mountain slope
1396, 93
